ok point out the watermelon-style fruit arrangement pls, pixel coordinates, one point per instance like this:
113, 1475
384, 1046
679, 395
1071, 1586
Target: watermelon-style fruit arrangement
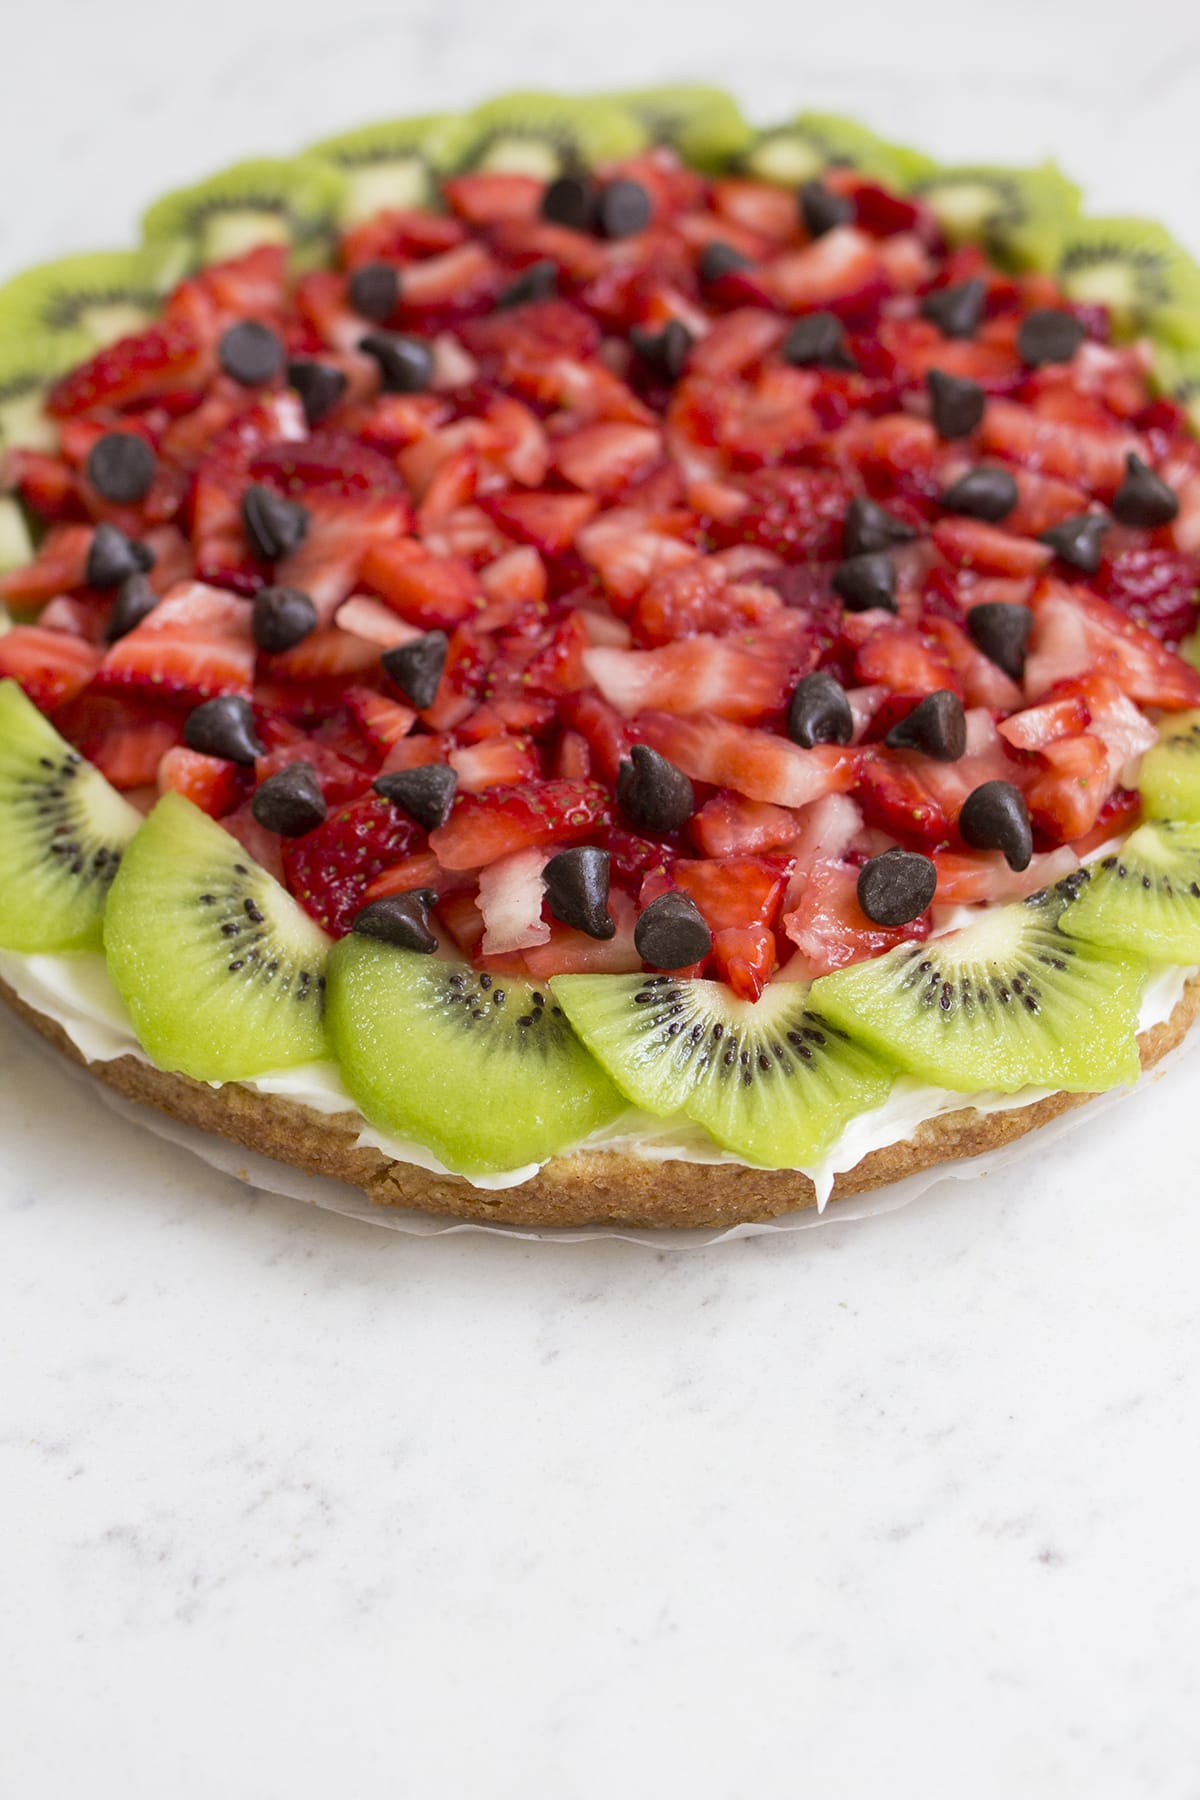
561, 607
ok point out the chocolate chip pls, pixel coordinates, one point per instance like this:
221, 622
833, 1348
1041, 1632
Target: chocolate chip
250, 352
866, 581
868, 526
274, 526
577, 890
624, 209
319, 385
821, 209
984, 493
405, 362
936, 726
374, 291
1001, 628
1143, 498
896, 887
426, 793
120, 466
400, 919
416, 667
570, 201
1047, 335
666, 351
135, 600
995, 817
290, 802
718, 260
1078, 541
957, 404
112, 558
223, 727
652, 793
538, 282
957, 310
671, 933
819, 712
282, 617
818, 338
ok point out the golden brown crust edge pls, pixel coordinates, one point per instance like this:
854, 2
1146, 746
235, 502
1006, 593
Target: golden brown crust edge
588, 1187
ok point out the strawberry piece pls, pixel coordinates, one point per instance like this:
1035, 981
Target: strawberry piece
699, 675
488, 197
207, 781
970, 544
984, 878
755, 764
330, 869
125, 739
51, 666
1066, 801
325, 654
605, 457
796, 513
896, 799
1089, 455
426, 591
482, 828
399, 234
905, 661
329, 462
164, 360
1062, 713
340, 780
197, 643
829, 927
58, 565
44, 482
840, 267
1159, 589
1075, 631
699, 598
729, 825
496, 762
547, 521
383, 723
740, 901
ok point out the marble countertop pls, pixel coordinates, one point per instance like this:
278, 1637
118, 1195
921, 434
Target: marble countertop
294, 1506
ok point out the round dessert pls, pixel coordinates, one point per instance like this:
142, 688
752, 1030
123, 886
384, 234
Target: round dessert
586, 663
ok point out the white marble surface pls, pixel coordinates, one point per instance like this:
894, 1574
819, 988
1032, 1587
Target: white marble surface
292, 1506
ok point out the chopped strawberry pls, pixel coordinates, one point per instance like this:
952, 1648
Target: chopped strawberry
209, 782
125, 739
383, 723
58, 565
740, 900
197, 643
51, 666
497, 762
970, 544
330, 869
1065, 802
729, 825
340, 780
983, 878
427, 591
896, 798
905, 661
829, 927
698, 675
756, 764
163, 360
547, 521
484, 827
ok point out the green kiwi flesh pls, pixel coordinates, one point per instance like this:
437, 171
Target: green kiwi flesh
28, 364
775, 1082
389, 164
1020, 216
221, 971
102, 295
1006, 1003
16, 540
537, 134
267, 200
1169, 782
704, 124
1138, 271
1144, 898
63, 830
803, 147
483, 1070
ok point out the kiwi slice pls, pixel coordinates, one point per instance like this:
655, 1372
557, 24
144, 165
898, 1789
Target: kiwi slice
1138, 271
62, 833
28, 365
1170, 776
100, 296
16, 540
266, 200
1145, 897
814, 141
389, 164
1005, 1003
773, 1081
1177, 374
1020, 216
483, 1070
704, 124
222, 972
537, 134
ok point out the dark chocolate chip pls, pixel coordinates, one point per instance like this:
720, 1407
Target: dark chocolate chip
405, 362
869, 526
957, 310
896, 887
577, 890
112, 558
416, 667
120, 466
400, 919
821, 209
274, 526
425, 793
1143, 498
957, 404
671, 933
290, 802
375, 291
866, 581
135, 600
995, 817
250, 352
142, 555
538, 282
936, 726
652, 793
1078, 541
666, 351
818, 338
985, 493
1047, 335
718, 260
1001, 628
319, 385
570, 201
624, 209
819, 712
223, 727
282, 617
